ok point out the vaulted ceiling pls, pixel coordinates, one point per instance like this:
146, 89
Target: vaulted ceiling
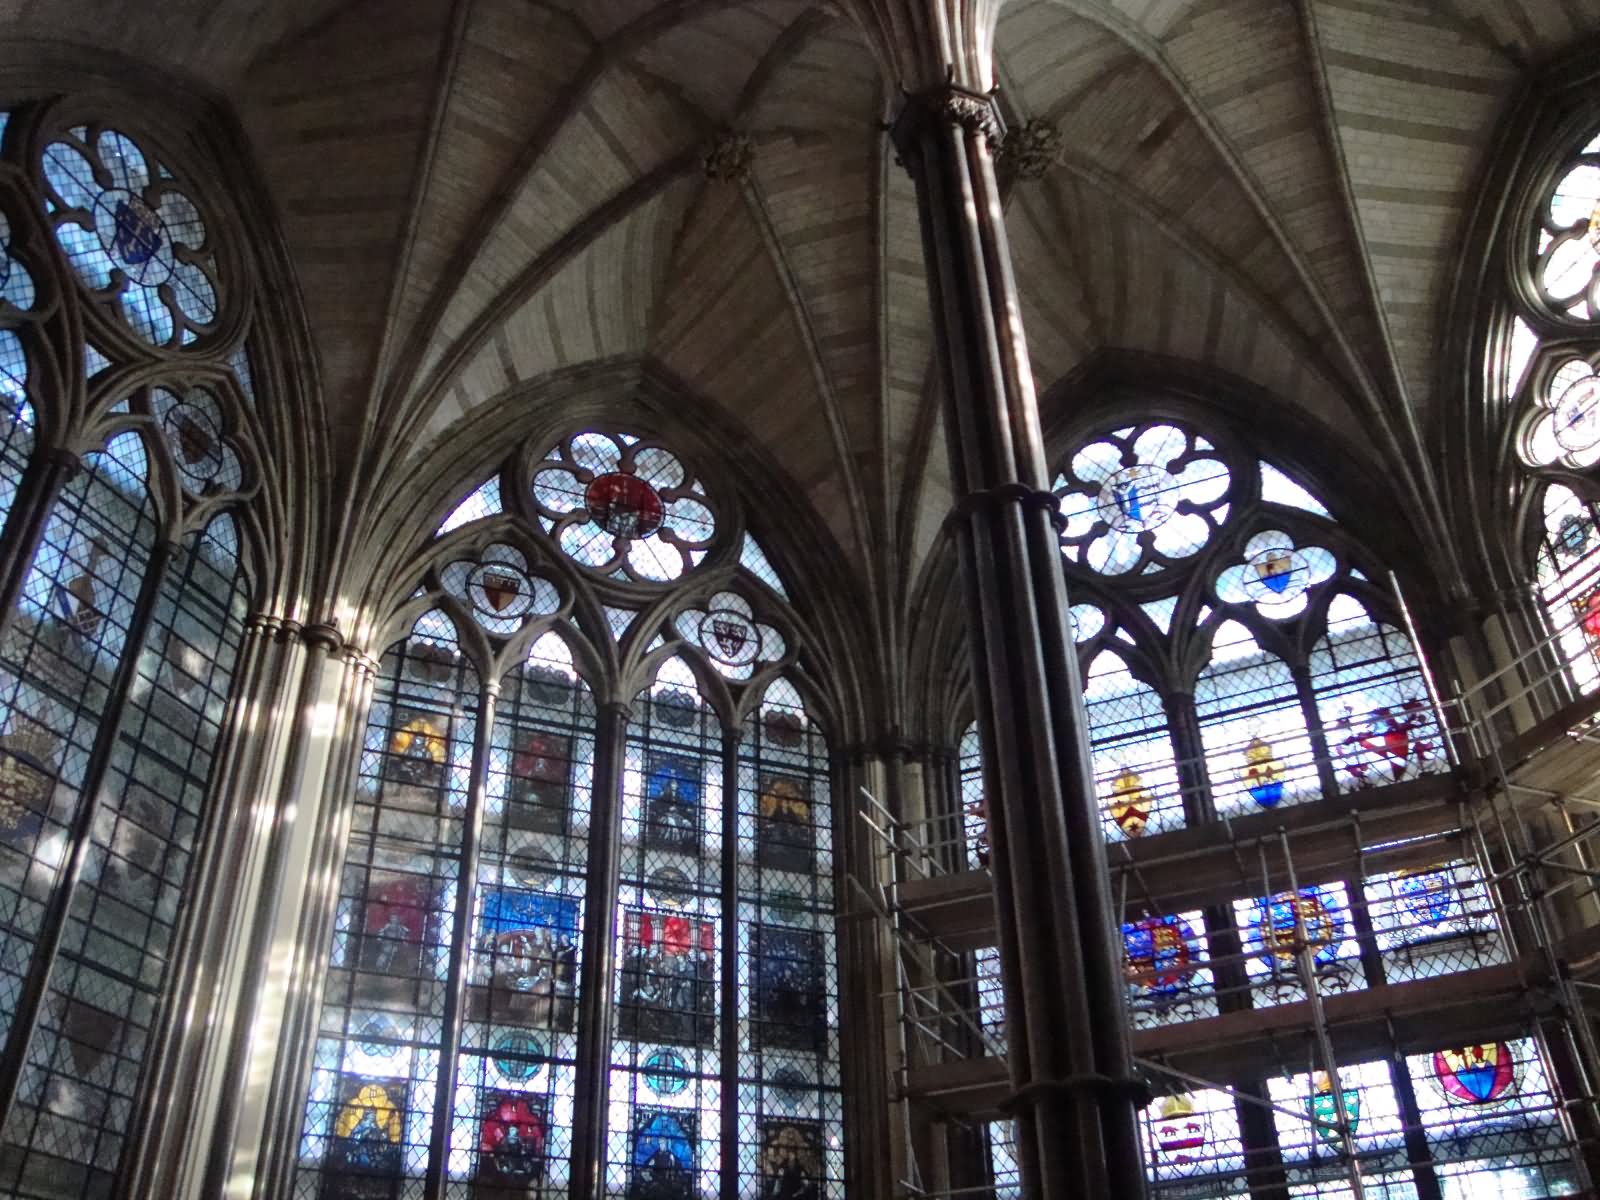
478, 194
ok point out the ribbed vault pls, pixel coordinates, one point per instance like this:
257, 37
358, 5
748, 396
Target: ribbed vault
480, 195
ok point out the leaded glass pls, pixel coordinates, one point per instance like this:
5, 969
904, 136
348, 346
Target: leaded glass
789, 1103
1492, 1123
1568, 240
1433, 920
1193, 1147
1275, 575
1313, 1143
132, 235
733, 640
974, 808
482, 502
754, 559
1278, 488
1566, 425
623, 507
194, 430
1568, 567
665, 1134
1151, 495
1165, 960
16, 420
512, 1127
1287, 933
16, 283
375, 1078
1004, 1172
1135, 774
65, 1136
1258, 753
1372, 700
57, 659
499, 589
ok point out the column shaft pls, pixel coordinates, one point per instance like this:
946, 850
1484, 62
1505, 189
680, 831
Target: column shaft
1070, 1049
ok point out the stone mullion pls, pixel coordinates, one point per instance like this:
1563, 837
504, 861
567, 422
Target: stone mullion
590, 1090
1061, 958
1263, 1160
1416, 1141
460, 961
52, 924
1306, 693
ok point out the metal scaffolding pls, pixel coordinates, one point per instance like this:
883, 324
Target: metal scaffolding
1506, 836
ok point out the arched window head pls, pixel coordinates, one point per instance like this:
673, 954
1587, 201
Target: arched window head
1241, 626
623, 506
1567, 247
132, 233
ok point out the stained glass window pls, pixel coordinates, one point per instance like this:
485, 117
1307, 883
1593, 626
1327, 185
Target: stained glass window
754, 559
483, 501
1136, 776
1284, 934
1568, 568
666, 1081
106, 986
1372, 700
1566, 423
1568, 240
1492, 1123
1166, 962
1193, 1146
16, 420
132, 234
974, 808
375, 1083
1257, 749
58, 655
16, 282
1138, 496
789, 1104
1432, 920
623, 506
1311, 1110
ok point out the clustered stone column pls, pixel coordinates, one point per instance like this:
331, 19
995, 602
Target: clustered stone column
1074, 1092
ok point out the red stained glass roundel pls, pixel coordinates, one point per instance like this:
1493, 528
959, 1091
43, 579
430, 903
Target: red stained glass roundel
624, 505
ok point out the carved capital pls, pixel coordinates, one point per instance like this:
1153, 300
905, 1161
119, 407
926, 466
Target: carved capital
950, 106
1031, 150
728, 157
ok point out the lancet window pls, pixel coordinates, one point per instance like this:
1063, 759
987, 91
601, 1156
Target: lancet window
125, 588
586, 922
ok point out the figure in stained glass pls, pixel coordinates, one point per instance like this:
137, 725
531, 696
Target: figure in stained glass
669, 989
1262, 774
27, 756
790, 1003
791, 1160
536, 795
512, 1132
1324, 1108
418, 748
528, 953
661, 1162
1179, 1133
1131, 802
1587, 609
673, 786
1476, 1075
397, 915
366, 1151
784, 840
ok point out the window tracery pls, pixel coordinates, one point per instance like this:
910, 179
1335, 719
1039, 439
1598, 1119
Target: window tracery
713, 809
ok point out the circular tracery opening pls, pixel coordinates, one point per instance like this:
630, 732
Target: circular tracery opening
1136, 498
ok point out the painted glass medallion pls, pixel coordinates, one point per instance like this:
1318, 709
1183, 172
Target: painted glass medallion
1136, 498
518, 1055
134, 235
624, 505
1283, 918
512, 1131
730, 637
1577, 415
1427, 894
499, 590
789, 1088
1275, 575
1572, 535
1160, 955
1324, 1108
666, 1072
1383, 742
1180, 1132
1131, 802
791, 1160
1475, 1075
1262, 773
